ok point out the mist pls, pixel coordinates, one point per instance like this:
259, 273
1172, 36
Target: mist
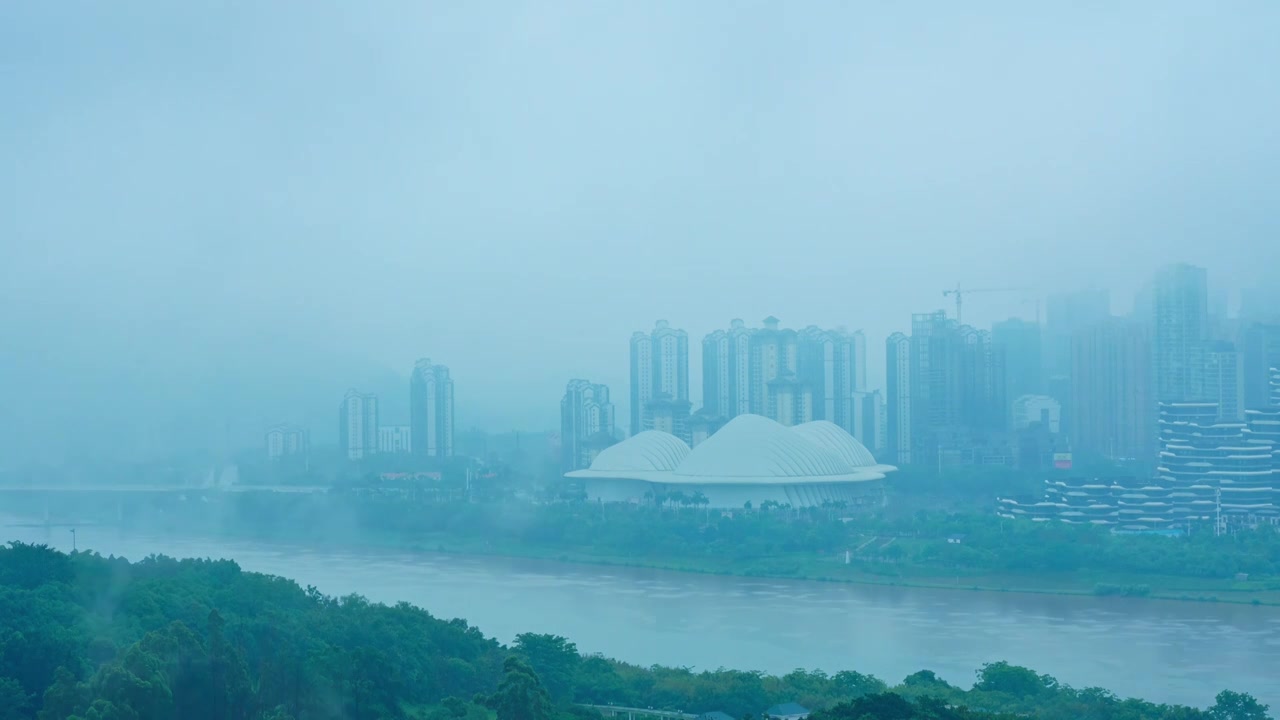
218, 216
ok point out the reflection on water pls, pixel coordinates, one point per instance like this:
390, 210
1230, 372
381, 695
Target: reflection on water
1163, 651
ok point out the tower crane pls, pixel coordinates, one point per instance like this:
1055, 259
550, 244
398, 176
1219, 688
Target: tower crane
961, 292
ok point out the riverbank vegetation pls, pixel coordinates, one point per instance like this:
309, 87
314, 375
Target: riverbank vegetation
907, 543
926, 547
93, 638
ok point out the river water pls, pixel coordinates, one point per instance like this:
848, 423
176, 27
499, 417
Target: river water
1175, 652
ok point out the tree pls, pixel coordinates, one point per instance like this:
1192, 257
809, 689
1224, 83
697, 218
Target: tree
1237, 706
64, 698
554, 659
14, 701
1013, 680
521, 695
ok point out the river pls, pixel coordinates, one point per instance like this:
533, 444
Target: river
1175, 652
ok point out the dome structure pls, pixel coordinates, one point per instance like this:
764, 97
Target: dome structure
836, 439
751, 448
647, 455
749, 462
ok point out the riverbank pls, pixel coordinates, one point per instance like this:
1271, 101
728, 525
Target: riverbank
830, 568
941, 551
833, 569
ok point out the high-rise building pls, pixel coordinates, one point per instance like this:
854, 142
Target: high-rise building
586, 423
1259, 346
898, 398
1197, 451
831, 364
1024, 369
1224, 380
1112, 395
703, 425
790, 401
1260, 304
935, 379
773, 353
431, 410
395, 440
284, 441
868, 419
358, 425
1181, 332
1065, 313
946, 387
1264, 428
726, 377
984, 405
1029, 410
660, 379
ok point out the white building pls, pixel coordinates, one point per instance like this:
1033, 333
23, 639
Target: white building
660, 380
431, 410
726, 378
868, 418
752, 460
285, 441
1224, 380
1180, 310
358, 425
1031, 409
395, 439
898, 401
586, 423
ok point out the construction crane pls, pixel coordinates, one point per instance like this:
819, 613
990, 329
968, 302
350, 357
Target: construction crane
961, 292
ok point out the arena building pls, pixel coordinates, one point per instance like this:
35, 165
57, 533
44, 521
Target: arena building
751, 460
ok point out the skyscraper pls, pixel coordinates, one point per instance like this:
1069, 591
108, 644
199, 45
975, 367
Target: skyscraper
1112, 397
789, 376
868, 414
1024, 368
358, 425
946, 388
1259, 347
395, 439
984, 404
726, 378
1197, 451
1065, 313
1224, 380
431, 410
772, 354
285, 441
898, 398
586, 423
1264, 428
1180, 305
831, 364
660, 380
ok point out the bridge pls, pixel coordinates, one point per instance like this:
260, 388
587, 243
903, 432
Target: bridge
630, 713
166, 489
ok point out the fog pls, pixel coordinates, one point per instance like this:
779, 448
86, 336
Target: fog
216, 216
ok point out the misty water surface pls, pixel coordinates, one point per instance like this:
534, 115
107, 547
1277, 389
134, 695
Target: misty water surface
1162, 651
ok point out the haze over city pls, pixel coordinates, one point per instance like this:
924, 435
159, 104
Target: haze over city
215, 218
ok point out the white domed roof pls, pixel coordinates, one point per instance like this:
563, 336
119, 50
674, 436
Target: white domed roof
751, 448
639, 456
834, 438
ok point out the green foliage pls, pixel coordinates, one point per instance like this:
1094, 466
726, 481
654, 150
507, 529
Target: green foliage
554, 659
1237, 706
14, 701
90, 638
521, 695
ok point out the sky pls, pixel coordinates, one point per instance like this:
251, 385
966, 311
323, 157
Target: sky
215, 216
